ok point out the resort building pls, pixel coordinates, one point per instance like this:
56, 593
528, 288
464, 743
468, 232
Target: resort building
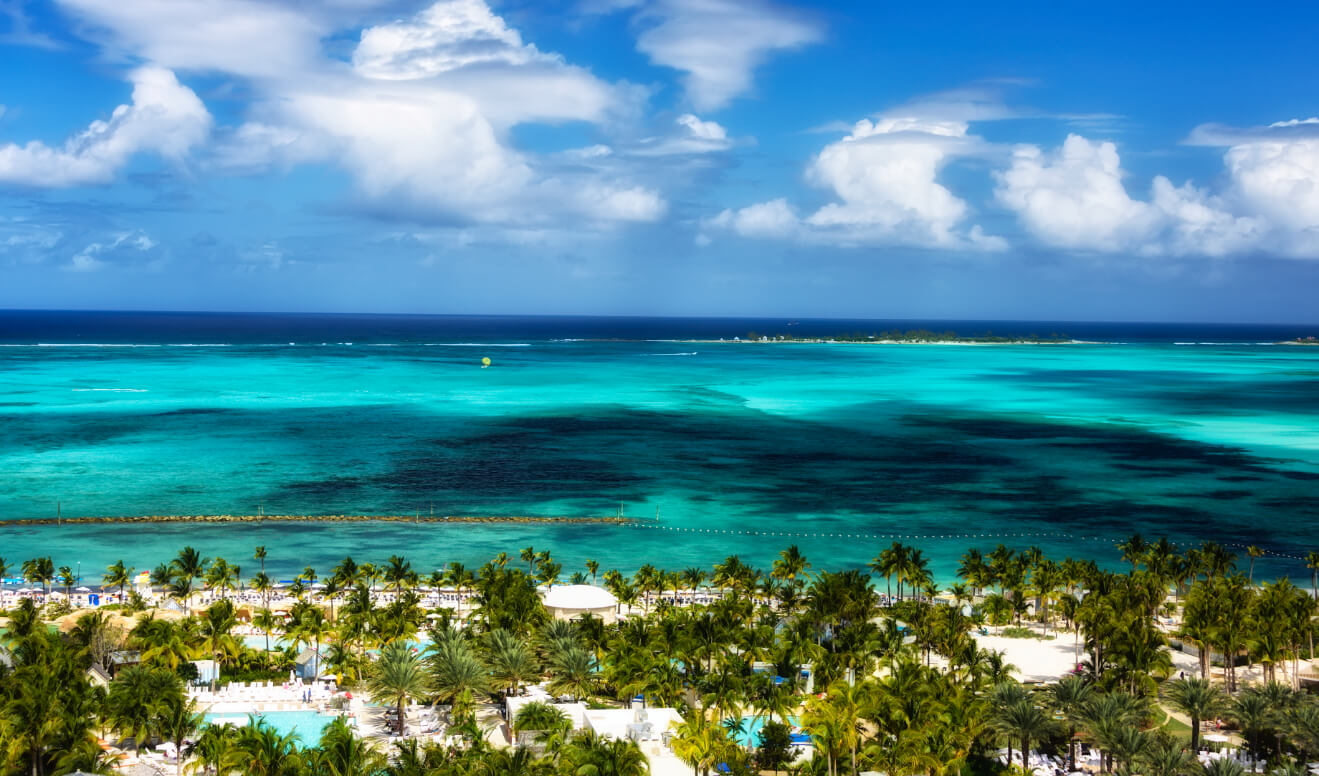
571, 602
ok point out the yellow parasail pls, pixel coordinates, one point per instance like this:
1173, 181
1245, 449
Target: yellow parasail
485, 362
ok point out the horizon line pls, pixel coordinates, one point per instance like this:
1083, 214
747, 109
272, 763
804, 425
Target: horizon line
761, 317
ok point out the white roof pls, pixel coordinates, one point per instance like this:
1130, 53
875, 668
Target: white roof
579, 597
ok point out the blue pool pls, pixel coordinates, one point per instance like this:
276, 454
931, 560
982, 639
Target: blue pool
750, 734
306, 725
259, 642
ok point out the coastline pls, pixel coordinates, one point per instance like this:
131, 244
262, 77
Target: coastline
823, 341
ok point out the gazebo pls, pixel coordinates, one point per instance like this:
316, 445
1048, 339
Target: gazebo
571, 602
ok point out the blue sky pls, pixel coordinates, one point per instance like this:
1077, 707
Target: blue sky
684, 157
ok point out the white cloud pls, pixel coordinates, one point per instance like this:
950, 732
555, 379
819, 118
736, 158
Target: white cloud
421, 117
703, 130
884, 176
164, 117
1075, 198
1278, 180
249, 38
448, 35
719, 43
125, 247
773, 219
885, 172
462, 46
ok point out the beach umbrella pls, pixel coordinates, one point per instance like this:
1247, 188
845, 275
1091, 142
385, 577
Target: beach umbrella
84, 589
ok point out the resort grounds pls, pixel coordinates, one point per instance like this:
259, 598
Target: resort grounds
1180, 664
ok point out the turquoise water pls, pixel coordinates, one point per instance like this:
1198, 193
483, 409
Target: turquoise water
751, 726
259, 642
305, 725
837, 448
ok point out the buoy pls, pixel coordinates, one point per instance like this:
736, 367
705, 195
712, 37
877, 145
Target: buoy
485, 362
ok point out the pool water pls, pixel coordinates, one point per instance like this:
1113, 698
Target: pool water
750, 735
259, 643
305, 725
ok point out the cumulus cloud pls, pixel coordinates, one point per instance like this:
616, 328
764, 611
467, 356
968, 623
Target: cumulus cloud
884, 174
1277, 178
702, 130
773, 219
1075, 198
446, 36
164, 117
421, 116
884, 177
719, 43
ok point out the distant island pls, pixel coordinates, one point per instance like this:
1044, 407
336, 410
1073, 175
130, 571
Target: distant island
910, 337
1301, 341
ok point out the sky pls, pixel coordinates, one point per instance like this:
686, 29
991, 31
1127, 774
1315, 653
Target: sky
1035, 160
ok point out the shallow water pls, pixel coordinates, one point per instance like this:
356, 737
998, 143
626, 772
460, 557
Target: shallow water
834, 447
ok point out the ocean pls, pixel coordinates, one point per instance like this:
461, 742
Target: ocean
1196, 432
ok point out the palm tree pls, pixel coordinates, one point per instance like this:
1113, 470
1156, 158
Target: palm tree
512, 662
398, 676
1224, 766
572, 672
176, 720
134, 697
40, 571
180, 588
398, 574
1025, 722
1070, 695
266, 752
455, 669
700, 744
309, 627
216, 749
118, 575
1312, 563
216, 632
593, 567
1198, 699
592, 755
1168, 758
539, 717
67, 580
189, 563
1254, 552
1133, 549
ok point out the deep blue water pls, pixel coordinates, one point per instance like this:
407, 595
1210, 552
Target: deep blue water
1194, 431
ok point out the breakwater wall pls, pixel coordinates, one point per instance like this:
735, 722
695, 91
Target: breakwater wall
416, 518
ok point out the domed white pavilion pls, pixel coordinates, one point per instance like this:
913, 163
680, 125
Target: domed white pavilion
570, 602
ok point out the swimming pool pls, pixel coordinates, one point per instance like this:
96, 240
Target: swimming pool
305, 725
750, 735
259, 642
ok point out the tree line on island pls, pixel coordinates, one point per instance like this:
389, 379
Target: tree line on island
914, 336
900, 684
